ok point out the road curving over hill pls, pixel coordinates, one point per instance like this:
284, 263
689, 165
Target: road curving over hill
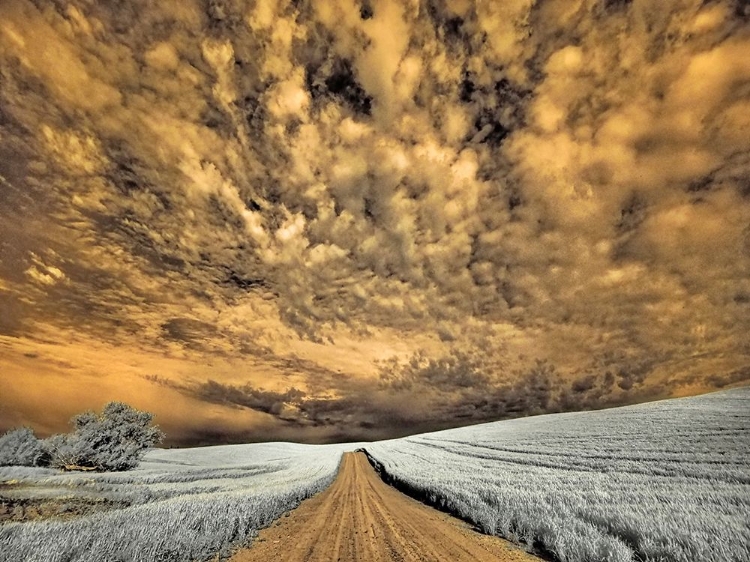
360, 518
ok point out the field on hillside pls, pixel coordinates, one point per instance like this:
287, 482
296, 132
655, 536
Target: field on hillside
182, 504
666, 481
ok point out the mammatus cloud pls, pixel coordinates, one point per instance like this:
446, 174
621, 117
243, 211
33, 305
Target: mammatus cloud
339, 219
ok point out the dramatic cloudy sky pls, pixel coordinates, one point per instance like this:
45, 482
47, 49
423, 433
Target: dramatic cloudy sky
339, 219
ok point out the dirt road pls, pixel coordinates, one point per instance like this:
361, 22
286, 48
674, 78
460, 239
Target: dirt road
360, 518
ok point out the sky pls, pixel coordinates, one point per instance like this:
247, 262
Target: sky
326, 220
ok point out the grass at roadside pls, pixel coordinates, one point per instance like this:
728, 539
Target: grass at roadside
187, 504
666, 481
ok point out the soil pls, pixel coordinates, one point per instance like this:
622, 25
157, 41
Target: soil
17, 504
361, 518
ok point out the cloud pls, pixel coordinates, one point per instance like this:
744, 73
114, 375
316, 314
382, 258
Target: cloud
276, 403
44, 274
310, 187
363, 412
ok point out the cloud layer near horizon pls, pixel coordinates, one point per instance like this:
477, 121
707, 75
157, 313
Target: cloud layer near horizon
322, 220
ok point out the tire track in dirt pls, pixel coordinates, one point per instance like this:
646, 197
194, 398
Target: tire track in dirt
361, 518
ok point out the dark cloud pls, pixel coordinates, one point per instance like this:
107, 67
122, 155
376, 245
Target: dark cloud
335, 80
363, 411
737, 376
187, 330
249, 397
12, 314
444, 374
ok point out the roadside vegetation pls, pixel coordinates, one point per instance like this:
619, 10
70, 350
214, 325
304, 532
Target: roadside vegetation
182, 504
666, 481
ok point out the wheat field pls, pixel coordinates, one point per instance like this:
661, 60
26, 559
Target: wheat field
666, 481
187, 504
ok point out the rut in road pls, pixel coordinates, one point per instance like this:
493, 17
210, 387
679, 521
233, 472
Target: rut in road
360, 518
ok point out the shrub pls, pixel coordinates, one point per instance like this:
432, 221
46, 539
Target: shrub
20, 447
113, 440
